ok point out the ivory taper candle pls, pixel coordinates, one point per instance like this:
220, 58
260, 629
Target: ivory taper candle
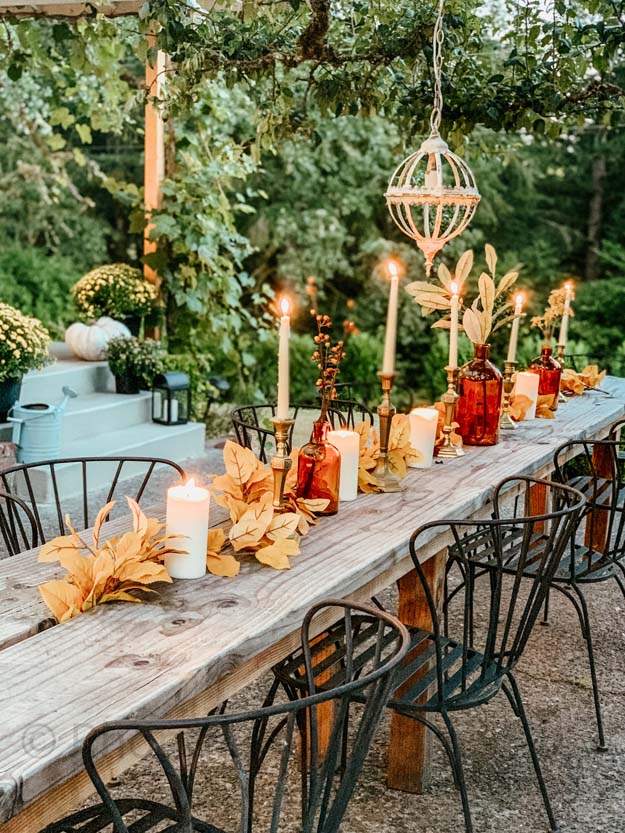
453, 329
564, 326
514, 332
390, 338
423, 429
282, 411
527, 385
187, 517
348, 444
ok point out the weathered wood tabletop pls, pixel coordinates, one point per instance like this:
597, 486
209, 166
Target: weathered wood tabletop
202, 640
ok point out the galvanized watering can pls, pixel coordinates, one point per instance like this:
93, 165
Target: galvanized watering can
37, 429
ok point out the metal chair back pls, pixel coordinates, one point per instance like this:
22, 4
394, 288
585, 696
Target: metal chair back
272, 732
490, 637
18, 526
253, 429
598, 471
90, 474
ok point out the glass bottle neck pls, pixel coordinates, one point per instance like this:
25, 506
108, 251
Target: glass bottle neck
546, 351
320, 431
481, 351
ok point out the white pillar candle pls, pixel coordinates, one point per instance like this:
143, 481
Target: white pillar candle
423, 430
514, 332
173, 410
527, 385
564, 326
453, 329
348, 444
282, 411
390, 339
187, 515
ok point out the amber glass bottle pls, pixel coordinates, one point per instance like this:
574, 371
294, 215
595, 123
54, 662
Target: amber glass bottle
319, 469
549, 371
479, 406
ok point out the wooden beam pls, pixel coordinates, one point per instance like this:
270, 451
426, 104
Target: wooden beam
154, 151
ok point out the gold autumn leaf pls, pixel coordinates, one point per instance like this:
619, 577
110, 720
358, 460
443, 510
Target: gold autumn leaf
100, 519
519, 406
283, 526
236, 508
129, 547
52, 550
80, 568
572, 383
456, 439
226, 484
543, 407
240, 462
592, 377
276, 555
463, 268
367, 483
122, 596
142, 572
225, 566
139, 521
215, 540
63, 599
253, 524
491, 257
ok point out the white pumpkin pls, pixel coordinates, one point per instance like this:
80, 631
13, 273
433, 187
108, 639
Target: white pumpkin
89, 341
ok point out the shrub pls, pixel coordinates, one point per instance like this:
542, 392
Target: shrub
139, 360
23, 343
117, 290
198, 368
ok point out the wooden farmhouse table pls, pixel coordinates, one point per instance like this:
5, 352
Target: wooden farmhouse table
203, 640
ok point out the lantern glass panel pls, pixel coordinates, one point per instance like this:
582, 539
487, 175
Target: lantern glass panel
171, 399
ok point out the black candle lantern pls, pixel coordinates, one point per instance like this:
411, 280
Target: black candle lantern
171, 398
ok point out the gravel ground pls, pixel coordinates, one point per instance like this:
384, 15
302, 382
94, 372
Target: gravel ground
587, 787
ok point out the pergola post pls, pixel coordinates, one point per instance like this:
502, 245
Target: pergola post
154, 152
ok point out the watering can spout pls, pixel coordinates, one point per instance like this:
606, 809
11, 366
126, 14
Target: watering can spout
68, 394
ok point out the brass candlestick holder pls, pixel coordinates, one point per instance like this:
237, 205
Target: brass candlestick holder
387, 481
280, 461
505, 420
449, 399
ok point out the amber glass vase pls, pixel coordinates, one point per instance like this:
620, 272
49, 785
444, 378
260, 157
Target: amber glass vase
479, 406
549, 371
319, 469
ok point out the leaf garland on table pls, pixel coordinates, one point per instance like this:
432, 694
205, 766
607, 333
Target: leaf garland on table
573, 383
455, 438
521, 404
488, 312
246, 491
400, 452
101, 573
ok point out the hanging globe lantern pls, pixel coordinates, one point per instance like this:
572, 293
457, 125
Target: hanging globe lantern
432, 196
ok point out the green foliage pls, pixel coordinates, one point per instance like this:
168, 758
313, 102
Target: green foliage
38, 285
198, 367
136, 359
599, 317
23, 343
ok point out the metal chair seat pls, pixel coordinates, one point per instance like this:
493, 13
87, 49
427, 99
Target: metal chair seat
140, 816
468, 680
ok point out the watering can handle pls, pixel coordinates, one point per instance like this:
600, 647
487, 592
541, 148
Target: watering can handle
17, 427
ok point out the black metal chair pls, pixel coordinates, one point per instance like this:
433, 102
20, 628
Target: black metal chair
361, 669
18, 526
442, 674
253, 428
597, 551
40, 485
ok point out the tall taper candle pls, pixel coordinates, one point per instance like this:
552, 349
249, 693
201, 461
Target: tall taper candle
514, 332
282, 411
187, 517
390, 340
453, 330
564, 326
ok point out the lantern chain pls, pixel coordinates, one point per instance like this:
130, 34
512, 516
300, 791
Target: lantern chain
437, 61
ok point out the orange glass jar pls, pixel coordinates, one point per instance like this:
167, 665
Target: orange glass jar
549, 371
319, 469
478, 409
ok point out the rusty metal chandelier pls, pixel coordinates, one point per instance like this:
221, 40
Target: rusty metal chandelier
432, 195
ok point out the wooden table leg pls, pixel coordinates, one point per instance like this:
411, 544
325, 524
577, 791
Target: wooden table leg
409, 747
597, 523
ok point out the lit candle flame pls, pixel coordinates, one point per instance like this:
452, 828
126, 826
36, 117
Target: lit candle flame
454, 288
392, 267
568, 287
520, 299
285, 306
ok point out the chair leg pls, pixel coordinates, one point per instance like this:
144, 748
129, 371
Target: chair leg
619, 579
586, 632
459, 772
514, 697
545, 619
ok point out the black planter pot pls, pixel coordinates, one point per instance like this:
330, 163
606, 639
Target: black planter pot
126, 384
9, 394
133, 322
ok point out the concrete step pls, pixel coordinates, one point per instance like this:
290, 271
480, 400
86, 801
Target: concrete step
84, 377
176, 442
91, 414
